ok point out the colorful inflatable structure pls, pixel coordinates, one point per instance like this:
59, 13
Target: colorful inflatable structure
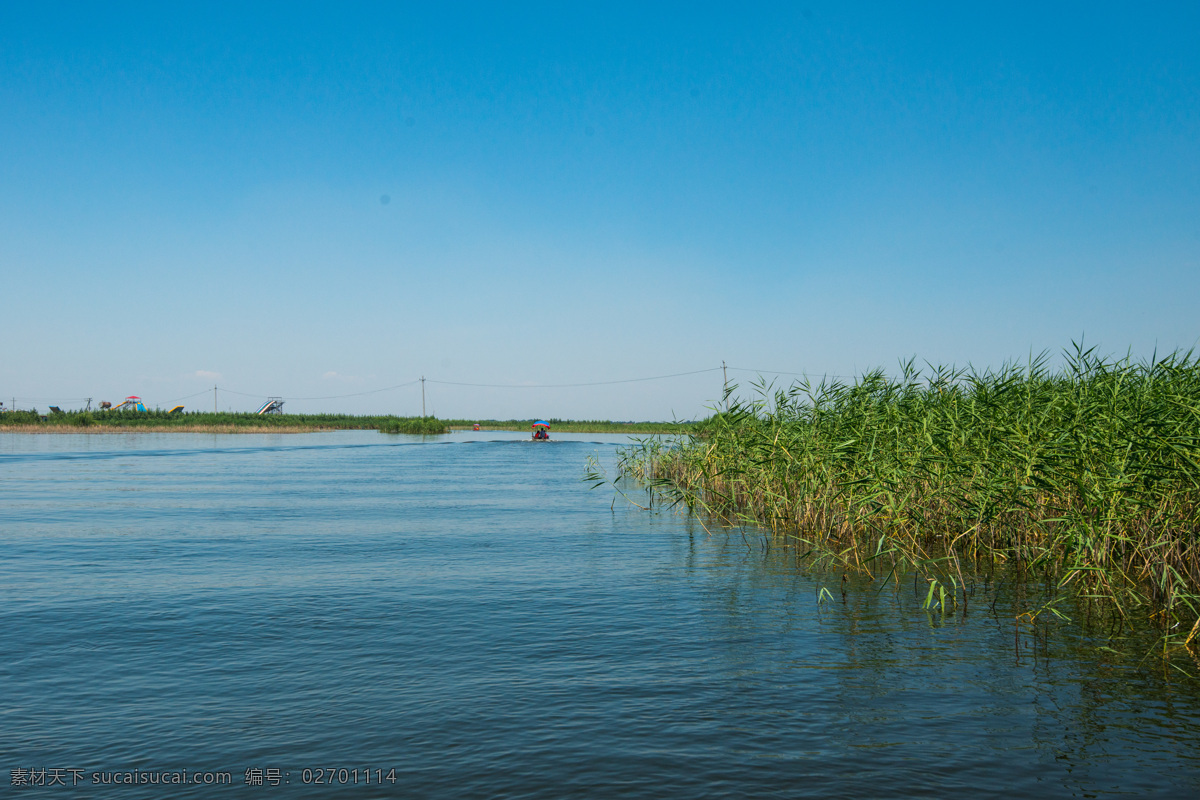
131, 403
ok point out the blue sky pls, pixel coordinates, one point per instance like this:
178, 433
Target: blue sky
320, 200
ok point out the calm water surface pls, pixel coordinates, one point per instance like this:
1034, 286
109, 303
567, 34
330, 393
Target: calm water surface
462, 611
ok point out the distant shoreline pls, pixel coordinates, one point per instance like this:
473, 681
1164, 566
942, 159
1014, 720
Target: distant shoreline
565, 427
108, 429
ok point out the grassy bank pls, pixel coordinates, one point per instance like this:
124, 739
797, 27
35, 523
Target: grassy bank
133, 421
1087, 479
115, 421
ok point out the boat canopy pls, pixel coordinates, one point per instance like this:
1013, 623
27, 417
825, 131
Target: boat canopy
540, 424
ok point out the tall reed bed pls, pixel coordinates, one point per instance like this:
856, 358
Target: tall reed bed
1087, 476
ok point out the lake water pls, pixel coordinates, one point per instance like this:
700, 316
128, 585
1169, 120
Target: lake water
460, 617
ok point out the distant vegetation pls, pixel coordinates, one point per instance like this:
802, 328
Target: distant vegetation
218, 422
246, 422
1086, 480
424, 425
577, 426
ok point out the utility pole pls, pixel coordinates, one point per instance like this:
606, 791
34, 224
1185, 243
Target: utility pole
214, 398
89, 408
725, 378
422, 395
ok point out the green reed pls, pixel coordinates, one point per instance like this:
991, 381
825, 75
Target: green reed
422, 425
1088, 476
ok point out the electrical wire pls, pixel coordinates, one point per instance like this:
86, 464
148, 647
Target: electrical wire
781, 372
189, 397
326, 397
477, 385
571, 385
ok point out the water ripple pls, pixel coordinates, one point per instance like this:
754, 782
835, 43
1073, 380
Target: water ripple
479, 621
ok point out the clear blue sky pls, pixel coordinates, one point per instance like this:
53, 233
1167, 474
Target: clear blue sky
197, 196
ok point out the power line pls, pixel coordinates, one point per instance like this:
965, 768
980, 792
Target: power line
800, 374
482, 385
327, 397
245, 394
477, 385
189, 397
571, 385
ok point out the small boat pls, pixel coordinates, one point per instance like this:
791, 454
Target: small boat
476, 427
541, 431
